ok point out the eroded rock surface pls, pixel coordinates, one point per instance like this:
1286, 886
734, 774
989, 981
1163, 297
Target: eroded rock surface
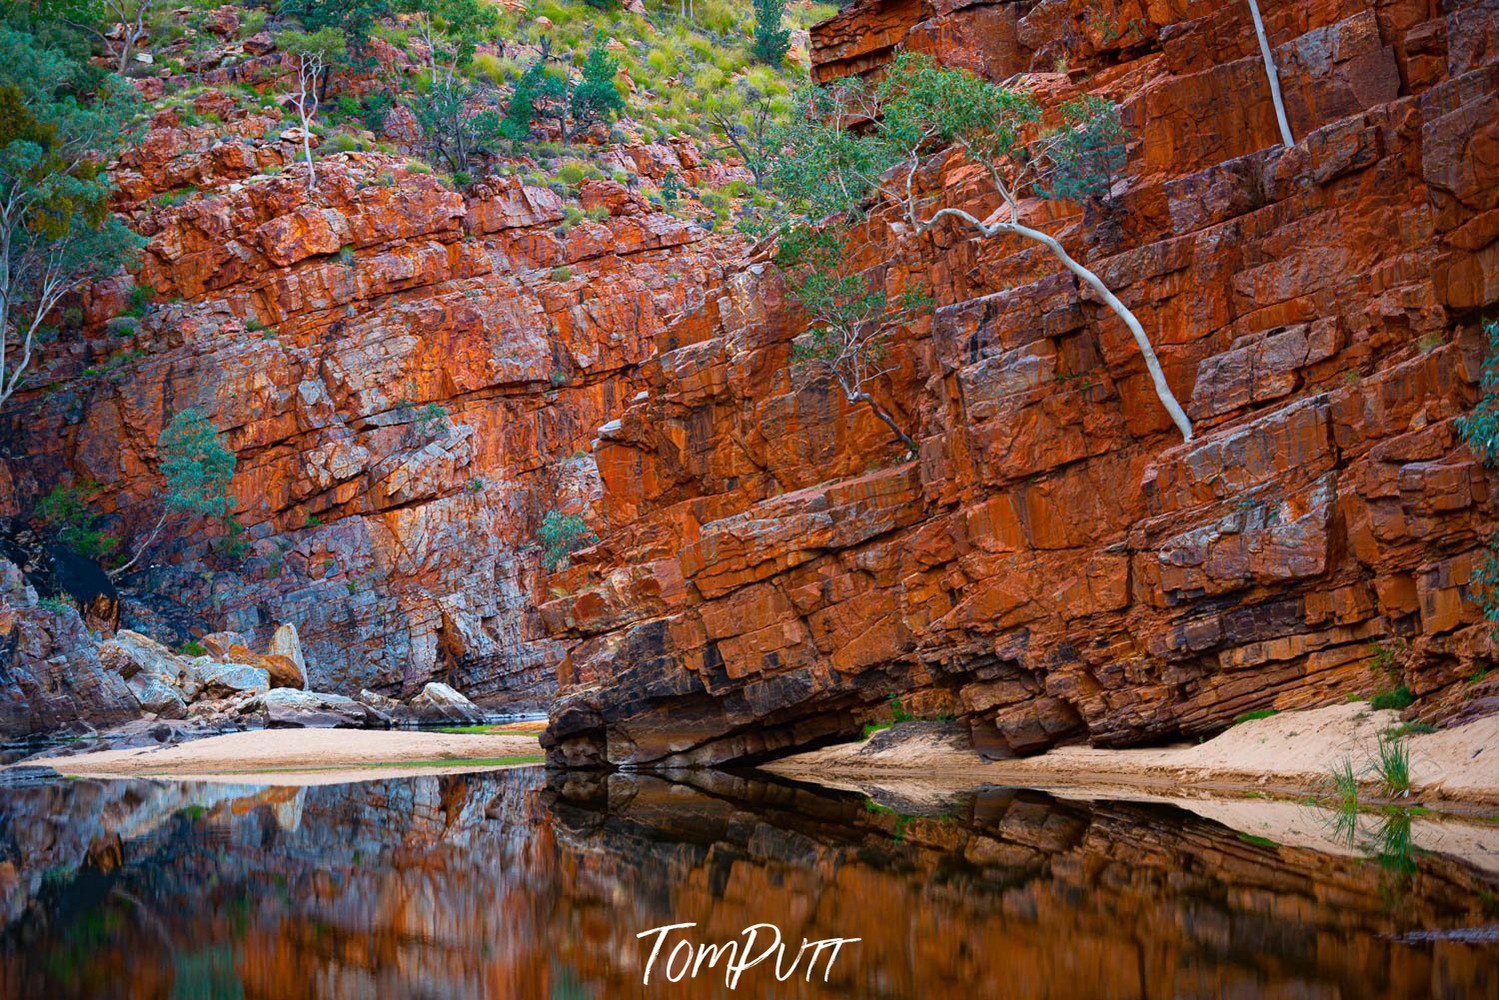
1057, 565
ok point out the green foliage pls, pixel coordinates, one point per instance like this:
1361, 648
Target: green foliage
521, 111
772, 41
1480, 429
373, 110
1088, 151
66, 511
354, 20
1261, 713
452, 122
1386, 664
671, 188
196, 465
1396, 698
193, 648
1392, 765
60, 122
596, 98
234, 545
1410, 729
56, 605
1345, 785
329, 44
431, 421
560, 536
850, 316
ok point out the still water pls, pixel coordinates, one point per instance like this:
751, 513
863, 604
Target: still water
521, 884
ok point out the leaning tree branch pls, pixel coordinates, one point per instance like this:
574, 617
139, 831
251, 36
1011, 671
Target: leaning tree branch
1142, 341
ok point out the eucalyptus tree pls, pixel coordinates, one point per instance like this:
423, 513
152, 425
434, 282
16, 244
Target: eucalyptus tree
314, 52
848, 338
59, 124
851, 144
197, 468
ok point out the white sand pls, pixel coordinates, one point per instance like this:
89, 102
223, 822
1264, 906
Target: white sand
1291, 753
302, 756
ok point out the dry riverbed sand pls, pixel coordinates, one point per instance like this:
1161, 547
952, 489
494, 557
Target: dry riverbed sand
1290, 754
308, 756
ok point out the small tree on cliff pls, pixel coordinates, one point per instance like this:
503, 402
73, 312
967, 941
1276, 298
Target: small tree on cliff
848, 339
197, 469
596, 97
120, 24
772, 41
831, 164
58, 126
313, 52
450, 119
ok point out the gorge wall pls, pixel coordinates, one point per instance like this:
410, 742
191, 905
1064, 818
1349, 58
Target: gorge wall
1057, 565
410, 376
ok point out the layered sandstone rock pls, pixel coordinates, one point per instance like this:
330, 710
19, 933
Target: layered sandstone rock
410, 376
1057, 565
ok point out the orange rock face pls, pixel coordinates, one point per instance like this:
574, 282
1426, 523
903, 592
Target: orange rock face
410, 376
1057, 565
413, 377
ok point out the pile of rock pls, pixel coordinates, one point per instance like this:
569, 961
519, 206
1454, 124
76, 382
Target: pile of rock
229, 684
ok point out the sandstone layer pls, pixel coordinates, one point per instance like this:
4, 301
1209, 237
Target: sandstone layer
409, 375
1057, 565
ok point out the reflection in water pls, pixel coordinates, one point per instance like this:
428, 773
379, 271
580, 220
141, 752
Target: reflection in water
505, 885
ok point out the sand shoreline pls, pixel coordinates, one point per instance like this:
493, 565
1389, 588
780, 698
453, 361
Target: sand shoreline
1290, 755
305, 756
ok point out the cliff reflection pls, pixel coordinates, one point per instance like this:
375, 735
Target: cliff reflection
506, 885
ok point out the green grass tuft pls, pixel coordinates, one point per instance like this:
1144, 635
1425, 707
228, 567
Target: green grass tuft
1259, 713
1398, 698
1392, 763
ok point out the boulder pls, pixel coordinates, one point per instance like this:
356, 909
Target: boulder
379, 702
282, 670
289, 709
225, 680
286, 643
156, 696
439, 703
218, 644
131, 654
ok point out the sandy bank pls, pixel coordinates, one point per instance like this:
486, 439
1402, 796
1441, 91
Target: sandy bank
302, 756
1291, 754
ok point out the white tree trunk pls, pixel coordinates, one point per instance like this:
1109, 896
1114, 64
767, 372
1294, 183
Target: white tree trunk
308, 69
1271, 75
1152, 363
115, 574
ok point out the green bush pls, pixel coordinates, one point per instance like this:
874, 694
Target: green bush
772, 41
66, 510
560, 536
1397, 698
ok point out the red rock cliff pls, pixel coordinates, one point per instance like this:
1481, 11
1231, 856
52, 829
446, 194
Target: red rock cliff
410, 376
1057, 565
